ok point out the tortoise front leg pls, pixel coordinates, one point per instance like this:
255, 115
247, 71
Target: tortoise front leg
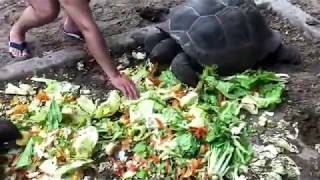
152, 39
287, 55
165, 51
185, 69
161, 47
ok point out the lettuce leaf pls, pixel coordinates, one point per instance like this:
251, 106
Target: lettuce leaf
109, 107
54, 116
174, 118
168, 79
25, 158
140, 149
71, 167
74, 115
268, 97
219, 160
85, 142
187, 145
86, 104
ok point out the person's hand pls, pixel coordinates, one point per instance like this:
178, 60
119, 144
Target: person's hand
125, 85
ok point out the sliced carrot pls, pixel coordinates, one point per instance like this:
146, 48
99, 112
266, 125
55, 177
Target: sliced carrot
131, 166
155, 159
196, 164
69, 99
119, 169
61, 156
42, 96
20, 109
200, 133
175, 103
189, 117
159, 123
188, 173
154, 80
204, 148
126, 144
125, 119
181, 172
179, 94
167, 166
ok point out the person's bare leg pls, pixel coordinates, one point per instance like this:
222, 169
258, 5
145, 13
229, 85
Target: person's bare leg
70, 25
40, 12
79, 11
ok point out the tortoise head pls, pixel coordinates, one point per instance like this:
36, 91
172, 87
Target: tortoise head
8, 132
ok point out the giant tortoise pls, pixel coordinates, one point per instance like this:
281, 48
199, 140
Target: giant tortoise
231, 34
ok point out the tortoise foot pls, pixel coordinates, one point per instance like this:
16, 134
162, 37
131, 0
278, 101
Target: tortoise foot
288, 55
185, 69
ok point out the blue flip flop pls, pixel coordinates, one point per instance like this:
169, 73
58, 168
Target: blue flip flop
73, 35
19, 46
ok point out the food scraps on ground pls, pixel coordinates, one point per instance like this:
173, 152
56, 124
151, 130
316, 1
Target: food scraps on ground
172, 130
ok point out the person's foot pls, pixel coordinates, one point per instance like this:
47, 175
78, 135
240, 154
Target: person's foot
71, 30
17, 45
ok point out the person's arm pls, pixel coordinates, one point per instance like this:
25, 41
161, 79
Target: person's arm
79, 11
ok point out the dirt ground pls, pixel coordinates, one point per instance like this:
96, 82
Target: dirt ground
310, 6
113, 17
302, 102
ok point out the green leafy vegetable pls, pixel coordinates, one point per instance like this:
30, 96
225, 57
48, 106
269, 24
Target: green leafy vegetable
55, 87
140, 148
190, 99
86, 104
54, 116
168, 79
75, 115
219, 161
172, 130
110, 107
142, 174
174, 118
187, 144
71, 167
25, 157
85, 142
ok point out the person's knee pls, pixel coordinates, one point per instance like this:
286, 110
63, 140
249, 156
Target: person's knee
48, 13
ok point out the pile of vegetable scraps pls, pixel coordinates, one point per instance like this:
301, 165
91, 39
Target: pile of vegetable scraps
171, 131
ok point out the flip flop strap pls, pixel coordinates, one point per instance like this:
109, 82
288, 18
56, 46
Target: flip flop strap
20, 46
77, 35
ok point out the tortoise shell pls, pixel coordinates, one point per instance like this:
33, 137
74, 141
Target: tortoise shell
229, 33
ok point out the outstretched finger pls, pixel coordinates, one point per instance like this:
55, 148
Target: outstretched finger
124, 91
129, 93
134, 90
